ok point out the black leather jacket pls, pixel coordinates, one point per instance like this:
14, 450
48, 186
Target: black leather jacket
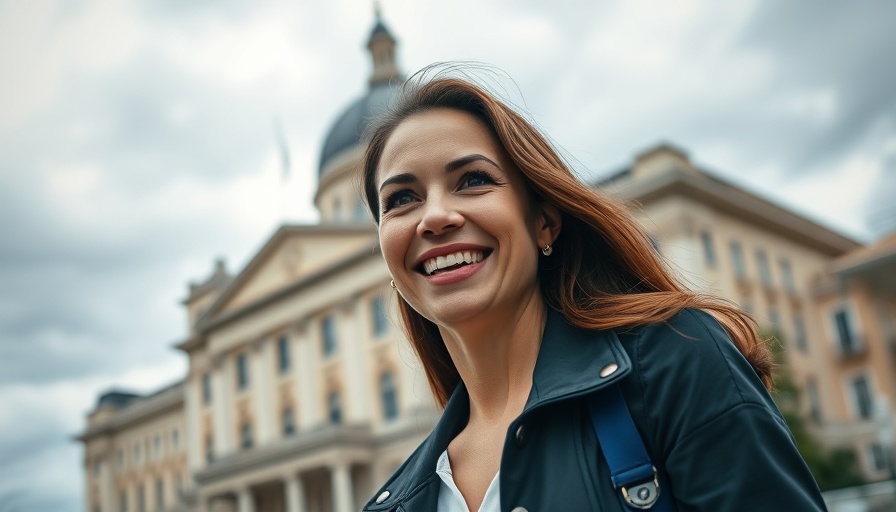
703, 413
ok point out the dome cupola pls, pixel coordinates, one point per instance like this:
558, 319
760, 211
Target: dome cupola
341, 152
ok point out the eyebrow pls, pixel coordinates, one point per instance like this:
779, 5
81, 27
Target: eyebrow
451, 166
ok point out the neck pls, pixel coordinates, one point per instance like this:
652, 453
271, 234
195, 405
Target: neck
495, 358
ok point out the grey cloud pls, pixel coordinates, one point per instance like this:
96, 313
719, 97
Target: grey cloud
846, 47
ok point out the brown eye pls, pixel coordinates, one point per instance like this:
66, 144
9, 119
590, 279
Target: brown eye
396, 199
476, 179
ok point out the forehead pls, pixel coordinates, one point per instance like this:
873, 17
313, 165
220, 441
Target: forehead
433, 136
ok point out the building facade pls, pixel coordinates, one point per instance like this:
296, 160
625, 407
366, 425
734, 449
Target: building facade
303, 396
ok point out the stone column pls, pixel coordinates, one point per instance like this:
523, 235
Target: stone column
223, 406
262, 392
308, 396
295, 494
193, 428
107, 483
245, 500
342, 488
353, 340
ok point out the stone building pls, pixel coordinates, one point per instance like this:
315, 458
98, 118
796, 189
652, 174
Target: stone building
303, 396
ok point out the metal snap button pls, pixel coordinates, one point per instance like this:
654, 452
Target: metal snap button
608, 370
519, 509
382, 497
520, 435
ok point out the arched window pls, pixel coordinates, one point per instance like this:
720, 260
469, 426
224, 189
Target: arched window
334, 402
389, 396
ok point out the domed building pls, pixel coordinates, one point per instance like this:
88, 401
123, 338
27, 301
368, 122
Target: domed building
301, 395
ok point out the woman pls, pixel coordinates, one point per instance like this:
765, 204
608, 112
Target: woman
523, 292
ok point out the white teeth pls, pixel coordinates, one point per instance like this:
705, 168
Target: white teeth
440, 262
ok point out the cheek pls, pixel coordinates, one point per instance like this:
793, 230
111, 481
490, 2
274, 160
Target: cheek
393, 247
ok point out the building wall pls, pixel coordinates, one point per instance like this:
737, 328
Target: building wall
135, 456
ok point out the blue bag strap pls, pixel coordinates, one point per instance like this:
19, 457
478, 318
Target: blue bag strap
631, 470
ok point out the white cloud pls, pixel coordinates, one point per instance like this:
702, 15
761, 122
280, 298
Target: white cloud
45, 43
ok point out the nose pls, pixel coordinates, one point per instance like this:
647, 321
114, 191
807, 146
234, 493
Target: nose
438, 217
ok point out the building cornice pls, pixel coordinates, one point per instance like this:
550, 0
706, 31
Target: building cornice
164, 400
727, 197
420, 421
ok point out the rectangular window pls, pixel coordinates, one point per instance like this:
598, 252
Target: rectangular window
814, 400
160, 494
120, 458
877, 456
378, 311
799, 334
709, 251
737, 259
246, 436
206, 388
328, 333
242, 371
209, 450
137, 454
847, 339
175, 439
283, 354
96, 467
157, 446
787, 275
765, 272
389, 395
123, 502
334, 404
862, 397
289, 422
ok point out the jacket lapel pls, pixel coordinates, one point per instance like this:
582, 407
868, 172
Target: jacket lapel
571, 362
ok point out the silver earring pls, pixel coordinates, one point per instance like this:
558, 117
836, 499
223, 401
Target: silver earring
547, 250
392, 284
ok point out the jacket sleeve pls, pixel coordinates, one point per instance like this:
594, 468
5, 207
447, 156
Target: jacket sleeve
721, 438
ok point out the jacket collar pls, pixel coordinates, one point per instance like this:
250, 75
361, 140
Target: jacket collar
569, 364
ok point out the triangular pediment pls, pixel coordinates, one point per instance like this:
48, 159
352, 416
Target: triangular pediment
293, 253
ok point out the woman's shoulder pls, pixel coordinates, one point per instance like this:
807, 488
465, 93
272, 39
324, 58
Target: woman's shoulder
691, 361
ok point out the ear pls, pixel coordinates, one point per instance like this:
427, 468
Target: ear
548, 224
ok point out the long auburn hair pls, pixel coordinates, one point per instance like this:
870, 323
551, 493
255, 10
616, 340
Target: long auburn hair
604, 275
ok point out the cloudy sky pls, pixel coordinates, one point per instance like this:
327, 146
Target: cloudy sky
138, 143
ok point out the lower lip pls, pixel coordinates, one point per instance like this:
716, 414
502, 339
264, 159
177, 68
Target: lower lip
457, 275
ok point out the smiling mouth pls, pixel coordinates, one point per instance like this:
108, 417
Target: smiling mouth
452, 261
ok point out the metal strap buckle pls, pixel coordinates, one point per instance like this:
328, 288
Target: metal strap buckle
644, 495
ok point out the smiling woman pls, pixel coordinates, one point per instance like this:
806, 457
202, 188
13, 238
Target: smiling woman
527, 294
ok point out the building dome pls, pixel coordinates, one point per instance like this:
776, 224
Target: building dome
350, 125
346, 132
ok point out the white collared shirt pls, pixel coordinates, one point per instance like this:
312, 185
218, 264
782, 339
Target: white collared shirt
450, 498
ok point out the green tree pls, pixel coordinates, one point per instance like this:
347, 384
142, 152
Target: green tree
833, 468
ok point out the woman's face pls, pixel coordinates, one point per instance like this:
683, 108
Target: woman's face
458, 231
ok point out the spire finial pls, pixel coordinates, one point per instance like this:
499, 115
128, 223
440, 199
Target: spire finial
382, 50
